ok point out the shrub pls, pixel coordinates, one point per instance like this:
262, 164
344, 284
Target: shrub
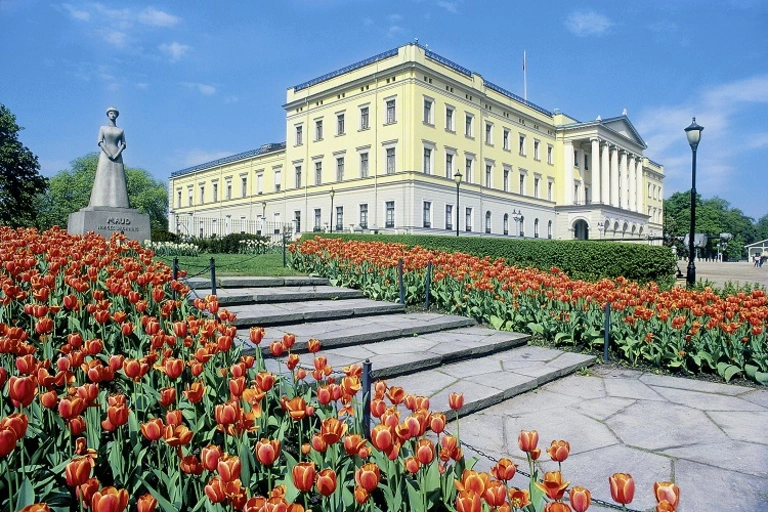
171, 248
229, 244
585, 260
163, 235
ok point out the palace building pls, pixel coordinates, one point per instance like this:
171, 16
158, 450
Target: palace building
408, 141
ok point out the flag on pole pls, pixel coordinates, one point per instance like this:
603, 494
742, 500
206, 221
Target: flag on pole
523, 60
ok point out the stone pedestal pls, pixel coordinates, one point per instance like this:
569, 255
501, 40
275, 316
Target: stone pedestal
106, 220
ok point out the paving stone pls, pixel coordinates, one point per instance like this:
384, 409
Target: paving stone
473, 367
630, 388
602, 408
656, 426
426, 383
757, 396
743, 426
748, 458
539, 400
579, 386
693, 385
705, 487
706, 401
476, 396
481, 430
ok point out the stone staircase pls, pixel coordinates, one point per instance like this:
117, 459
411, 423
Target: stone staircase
426, 353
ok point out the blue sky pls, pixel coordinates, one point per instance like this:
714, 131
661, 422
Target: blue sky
197, 80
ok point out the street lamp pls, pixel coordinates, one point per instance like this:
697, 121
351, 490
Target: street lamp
333, 193
693, 132
263, 218
457, 178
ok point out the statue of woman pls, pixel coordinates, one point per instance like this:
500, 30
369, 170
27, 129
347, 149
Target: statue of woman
109, 188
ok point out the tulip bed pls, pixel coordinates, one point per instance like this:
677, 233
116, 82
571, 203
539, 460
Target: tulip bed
118, 394
679, 330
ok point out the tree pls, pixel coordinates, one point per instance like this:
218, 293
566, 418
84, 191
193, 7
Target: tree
70, 190
20, 179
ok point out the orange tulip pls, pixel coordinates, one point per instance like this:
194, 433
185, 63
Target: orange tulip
368, 476
195, 392
396, 394
437, 422
304, 476
167, 396
361, 495
22, 390
173, 367
664, 506
381, 437
456, 401
580, 498
209, 457
190, 465
118, 415
559, 450
313, 345
37, 507
557, 507
472, 481
153, 429
216, 490
332, 430
146, 503
109, 499
276, 348
553, 485
468, 501
267, 451
353, 444
228, 413
667, 491
178, 435
76, 425
326, 482
8, 440
495, 493
256, 335
18, 422
412, 465
528, 440
78, 471
296, 408
425, 451
519, 498
229, 467
622, 488
504, 470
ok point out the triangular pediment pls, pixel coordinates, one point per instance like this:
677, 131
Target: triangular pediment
623, 126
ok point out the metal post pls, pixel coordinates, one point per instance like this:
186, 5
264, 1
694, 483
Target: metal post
175, 268
283, 245
457, 209
213, 276
427, 282
691, 278
400, 280
332, 212
367, 397
607, 328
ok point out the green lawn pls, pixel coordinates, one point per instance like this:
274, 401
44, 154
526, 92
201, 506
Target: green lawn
235, 265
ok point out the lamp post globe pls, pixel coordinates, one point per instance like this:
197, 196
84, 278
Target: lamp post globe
457, 178
693, 133
333, 194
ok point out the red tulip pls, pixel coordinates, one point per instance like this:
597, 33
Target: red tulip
86, 491
256, 335
267, 451
22, 390
146, 503
467, 501
622, 488
504, 470
195, 392
559, 450
209, 457
153, 429
495, 493
667, 491
109, 499
425, 451
8, 440
190, 465
167, 396
78, 471
412, 465
229, 467
455, 401
326, 482
381, 437
332, 430
216, 490
313, 345
528, 440
304, 476
368, 476
553, 485
580, 498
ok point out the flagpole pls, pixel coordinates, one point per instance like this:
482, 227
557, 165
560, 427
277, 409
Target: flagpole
525, 79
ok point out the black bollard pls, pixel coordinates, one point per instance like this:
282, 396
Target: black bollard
607, 328
367, 397
213, 276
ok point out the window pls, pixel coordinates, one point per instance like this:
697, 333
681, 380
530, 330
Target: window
299, 135
228, 190
586, 162
427, 161
278, 180
364, 216
505, 143
506, 224
521, 147
587, 199
297, 220
468, 219
390, 219
427, 214
215, 192
202, 194
178, 198
468, 125
535, 228
468, 170
506, 180
488, 174
319, 129
488, 222
244, 187
276, 224
364, 165
318, 173
189, 196
339, 124
428, 112
339, 218
488, 133
364, 123
390, 160
449, 165
391, 111
243, 224
522, 184
550, 154
340, 169
550, 188
575, 158
536, 150
536, 181
298, 176
649, 190
449, 119
549, 229
449, 216
318, 219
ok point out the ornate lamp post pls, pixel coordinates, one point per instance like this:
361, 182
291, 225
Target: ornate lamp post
333, 193
693, 132
263, 218
457, 178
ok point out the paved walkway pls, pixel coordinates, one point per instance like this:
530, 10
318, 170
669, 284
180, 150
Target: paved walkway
711, 439
720, 272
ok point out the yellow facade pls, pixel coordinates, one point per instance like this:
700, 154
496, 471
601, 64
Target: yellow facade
388, 136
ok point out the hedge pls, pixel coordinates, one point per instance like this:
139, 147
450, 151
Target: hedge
578, 259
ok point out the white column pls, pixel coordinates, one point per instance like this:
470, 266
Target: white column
631, 169
639, 184
623, 201
583, 172
605, 175
594, 169
568, 162
614, 176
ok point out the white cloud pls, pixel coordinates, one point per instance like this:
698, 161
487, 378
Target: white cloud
75, 13
200, 156
204, 89
587, 23
115, 38
157, 18
452, 7
174, 50
394, 30
394, 18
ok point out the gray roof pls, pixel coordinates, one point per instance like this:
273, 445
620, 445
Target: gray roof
264, 148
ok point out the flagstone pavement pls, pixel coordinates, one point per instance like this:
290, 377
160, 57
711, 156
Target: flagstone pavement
709, 438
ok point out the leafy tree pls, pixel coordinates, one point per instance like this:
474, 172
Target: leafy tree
20, 179
761, 229
70, 190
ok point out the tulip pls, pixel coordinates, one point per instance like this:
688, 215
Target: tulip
37, 507
276, 348
109, 499
8, 440
292, 362
368, 476
504, 470
437, 422
237, 386
667, 491
118, 415
664, 506
173, 367
557, 507
304, 476
167, 396
455, 401
472, 481
256, 335
412, 465
622, 488
153, 429
216, 490
396, 394
18, 422
559, 450
265, 380
209, 457
519, 498
86, 491
313, 345
580, 498
195, 392
191, 465
468, 501
527, 441
178, 435
146, 503
495, 493
227, 413
553, 485
326, 482
78, 471
361, 495
76, 425
381, 437
425, 451
296, 408
22, 390
353, 444
229, 467
267, 451
332, 430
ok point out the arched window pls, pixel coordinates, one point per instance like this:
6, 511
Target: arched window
535, 228
488, 222
506, 224
549, 229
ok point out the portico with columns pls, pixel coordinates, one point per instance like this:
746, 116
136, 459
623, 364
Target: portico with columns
603, 192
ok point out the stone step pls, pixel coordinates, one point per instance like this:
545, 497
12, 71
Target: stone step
319, 310
301, 293
358, 330
490, 379
201, 283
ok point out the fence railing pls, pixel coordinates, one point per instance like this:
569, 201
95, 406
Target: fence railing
202, 227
